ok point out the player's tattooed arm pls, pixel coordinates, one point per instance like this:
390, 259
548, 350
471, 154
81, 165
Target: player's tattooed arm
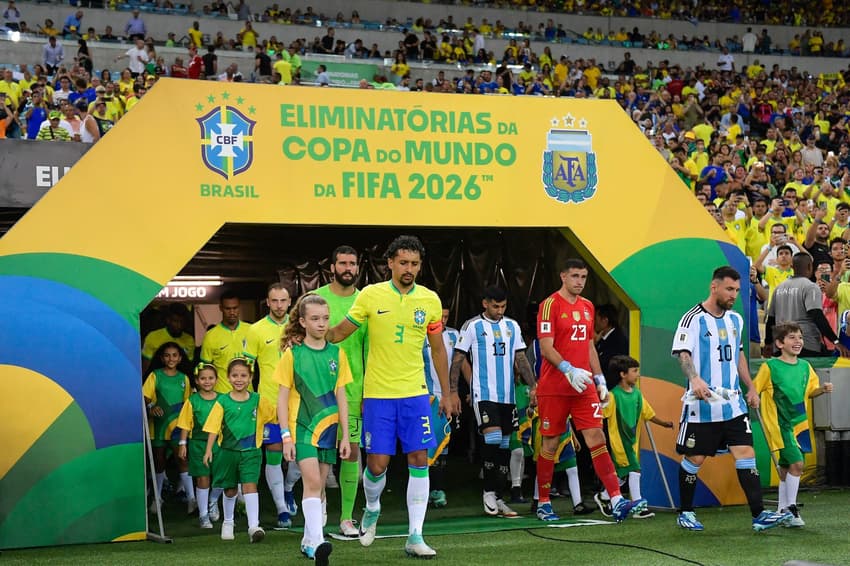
522, 366
687, 365
458, 358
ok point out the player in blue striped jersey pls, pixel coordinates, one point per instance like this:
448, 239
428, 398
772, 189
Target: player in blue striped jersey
709, 345
492, 341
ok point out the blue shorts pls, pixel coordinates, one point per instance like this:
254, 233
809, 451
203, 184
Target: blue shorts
407, 419
271, 434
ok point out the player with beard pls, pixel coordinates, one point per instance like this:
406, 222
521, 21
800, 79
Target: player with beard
262, 346
340, 294
709, 345
401, 315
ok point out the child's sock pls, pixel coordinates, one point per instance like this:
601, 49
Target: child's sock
313, 534
634, 485
517, 465
783, 495
274, 479
203, 497
293, 474
229, 508
252, 509
792, 486
160, 480
575, 486
187, 484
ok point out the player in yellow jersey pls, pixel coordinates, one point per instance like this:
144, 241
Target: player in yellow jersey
171, 332
400, 316
262, 346
225, 341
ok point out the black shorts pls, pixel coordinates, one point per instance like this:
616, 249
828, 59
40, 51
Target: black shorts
490, 414
705, 439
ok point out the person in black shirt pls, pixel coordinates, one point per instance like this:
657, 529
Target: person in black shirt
817, 239
210, 63
263, 63
610, 341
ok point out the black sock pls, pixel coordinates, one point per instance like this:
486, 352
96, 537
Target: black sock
503, 460
687, 488
436, 474
489, 456
751, 484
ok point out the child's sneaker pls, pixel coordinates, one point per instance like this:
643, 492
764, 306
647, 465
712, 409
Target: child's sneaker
438, 498
205, 522
322, 552
348, 529
582, 509
796, 520
603, 504
214, 513
644, 514
256, 534
191, 507
227, 530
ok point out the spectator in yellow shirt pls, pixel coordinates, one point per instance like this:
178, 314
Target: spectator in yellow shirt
195, 35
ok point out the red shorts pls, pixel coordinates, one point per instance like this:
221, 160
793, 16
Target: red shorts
554, 410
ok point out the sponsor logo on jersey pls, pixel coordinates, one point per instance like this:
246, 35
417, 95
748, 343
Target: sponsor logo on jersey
227, 138
569, 163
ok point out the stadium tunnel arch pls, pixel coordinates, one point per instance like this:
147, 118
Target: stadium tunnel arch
89, 256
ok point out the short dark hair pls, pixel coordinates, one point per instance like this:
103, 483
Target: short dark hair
841, 241
343, 249
842, 206
783, 329
725, 271
574, 263
494, 293
801, 261
609, 312
784, 247
409, 243
621, 364
176, 309
276, 286
227, 295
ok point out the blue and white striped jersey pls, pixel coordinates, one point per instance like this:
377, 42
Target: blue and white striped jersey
492, 347
714, 344
450, 337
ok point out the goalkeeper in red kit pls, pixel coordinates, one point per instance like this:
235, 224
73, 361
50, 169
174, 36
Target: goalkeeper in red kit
569, 371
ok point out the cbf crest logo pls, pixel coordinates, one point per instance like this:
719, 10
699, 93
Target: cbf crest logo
419, 317
227, 136
569, 164
332, 366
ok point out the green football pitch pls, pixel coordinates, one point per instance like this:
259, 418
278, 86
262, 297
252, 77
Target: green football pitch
463, 536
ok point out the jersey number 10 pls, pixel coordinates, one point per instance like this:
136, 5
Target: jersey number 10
724, 353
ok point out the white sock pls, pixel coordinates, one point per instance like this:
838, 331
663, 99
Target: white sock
517, 466
575, 487
229, 508
417, 502
274, 477
536, 493
634, 485
372, 488
160, 479
792, 486
203, 497
605, 495
215, 493
293, 474
187, 485
783, 494
239, 496
252, 509
313, 534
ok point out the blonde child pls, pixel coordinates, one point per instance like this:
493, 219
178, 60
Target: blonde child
236, 421
191, 422
165, 390
785, 384
312, 374
624, 412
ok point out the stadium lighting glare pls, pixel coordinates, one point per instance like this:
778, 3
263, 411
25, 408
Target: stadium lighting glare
15, 36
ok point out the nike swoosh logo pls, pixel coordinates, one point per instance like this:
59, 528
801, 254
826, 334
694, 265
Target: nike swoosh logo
223, 347
426, 440
269, 341
382, 312
489, 508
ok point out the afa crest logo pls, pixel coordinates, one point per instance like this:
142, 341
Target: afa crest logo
227, 139
569, 163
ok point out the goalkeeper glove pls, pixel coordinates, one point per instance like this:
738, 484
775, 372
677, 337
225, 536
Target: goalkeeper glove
601, 388
578, 378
